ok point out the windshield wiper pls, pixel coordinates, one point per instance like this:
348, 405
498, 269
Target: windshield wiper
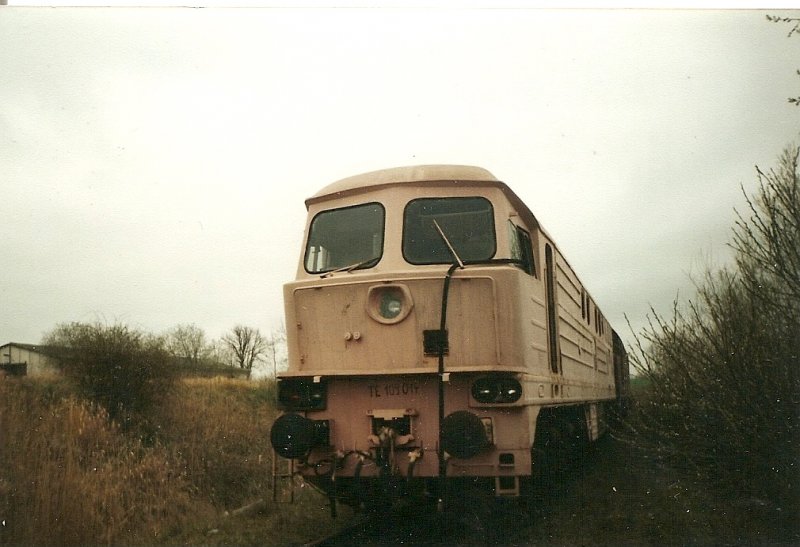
447, 242
349, 268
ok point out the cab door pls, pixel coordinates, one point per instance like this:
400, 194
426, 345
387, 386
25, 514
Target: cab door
553, 344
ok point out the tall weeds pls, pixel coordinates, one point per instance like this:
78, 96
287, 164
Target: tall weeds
71, 475
68, 477
219, 430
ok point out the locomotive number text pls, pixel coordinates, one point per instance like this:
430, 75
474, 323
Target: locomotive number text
394, 389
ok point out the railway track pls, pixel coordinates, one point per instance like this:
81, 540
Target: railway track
468, 521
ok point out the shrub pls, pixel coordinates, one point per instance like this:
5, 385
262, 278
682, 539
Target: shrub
125, 371
724, 386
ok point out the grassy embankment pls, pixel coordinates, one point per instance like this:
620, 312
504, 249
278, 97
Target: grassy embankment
69, 476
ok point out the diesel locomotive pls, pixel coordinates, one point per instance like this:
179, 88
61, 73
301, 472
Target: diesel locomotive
436, 335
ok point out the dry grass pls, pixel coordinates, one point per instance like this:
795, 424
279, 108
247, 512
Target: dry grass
68, 477
219, 429
71, 476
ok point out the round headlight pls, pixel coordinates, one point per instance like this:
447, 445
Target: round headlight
510, 390
484, 390
391, 305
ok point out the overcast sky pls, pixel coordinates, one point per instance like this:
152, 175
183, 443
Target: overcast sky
154, 161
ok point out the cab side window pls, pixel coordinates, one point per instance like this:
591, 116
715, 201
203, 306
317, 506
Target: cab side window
522, 248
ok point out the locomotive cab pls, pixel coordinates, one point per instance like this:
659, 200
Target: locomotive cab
430, 323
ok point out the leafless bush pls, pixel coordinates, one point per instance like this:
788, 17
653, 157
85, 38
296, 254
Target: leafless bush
123, 370
767, 242
724, 388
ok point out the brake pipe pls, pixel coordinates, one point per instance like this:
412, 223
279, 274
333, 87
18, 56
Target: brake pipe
332, 495
357, 475
441, 372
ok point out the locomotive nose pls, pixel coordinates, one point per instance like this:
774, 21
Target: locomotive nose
463, 434
292, 435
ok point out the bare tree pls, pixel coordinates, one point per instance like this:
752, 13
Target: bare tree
187, 342
247, 345
795, 30
220, 354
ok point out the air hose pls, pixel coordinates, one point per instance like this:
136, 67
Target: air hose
441, 372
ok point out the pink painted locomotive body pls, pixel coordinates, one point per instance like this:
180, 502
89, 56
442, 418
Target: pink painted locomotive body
435, 333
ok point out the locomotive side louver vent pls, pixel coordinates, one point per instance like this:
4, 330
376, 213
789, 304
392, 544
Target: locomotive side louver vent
433, 340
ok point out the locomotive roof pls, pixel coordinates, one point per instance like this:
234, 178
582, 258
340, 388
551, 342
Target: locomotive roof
467, 174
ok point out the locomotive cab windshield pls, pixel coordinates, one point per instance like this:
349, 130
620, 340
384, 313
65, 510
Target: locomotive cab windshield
349, 237
467, 223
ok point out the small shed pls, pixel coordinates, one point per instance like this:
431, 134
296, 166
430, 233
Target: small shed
26, 359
